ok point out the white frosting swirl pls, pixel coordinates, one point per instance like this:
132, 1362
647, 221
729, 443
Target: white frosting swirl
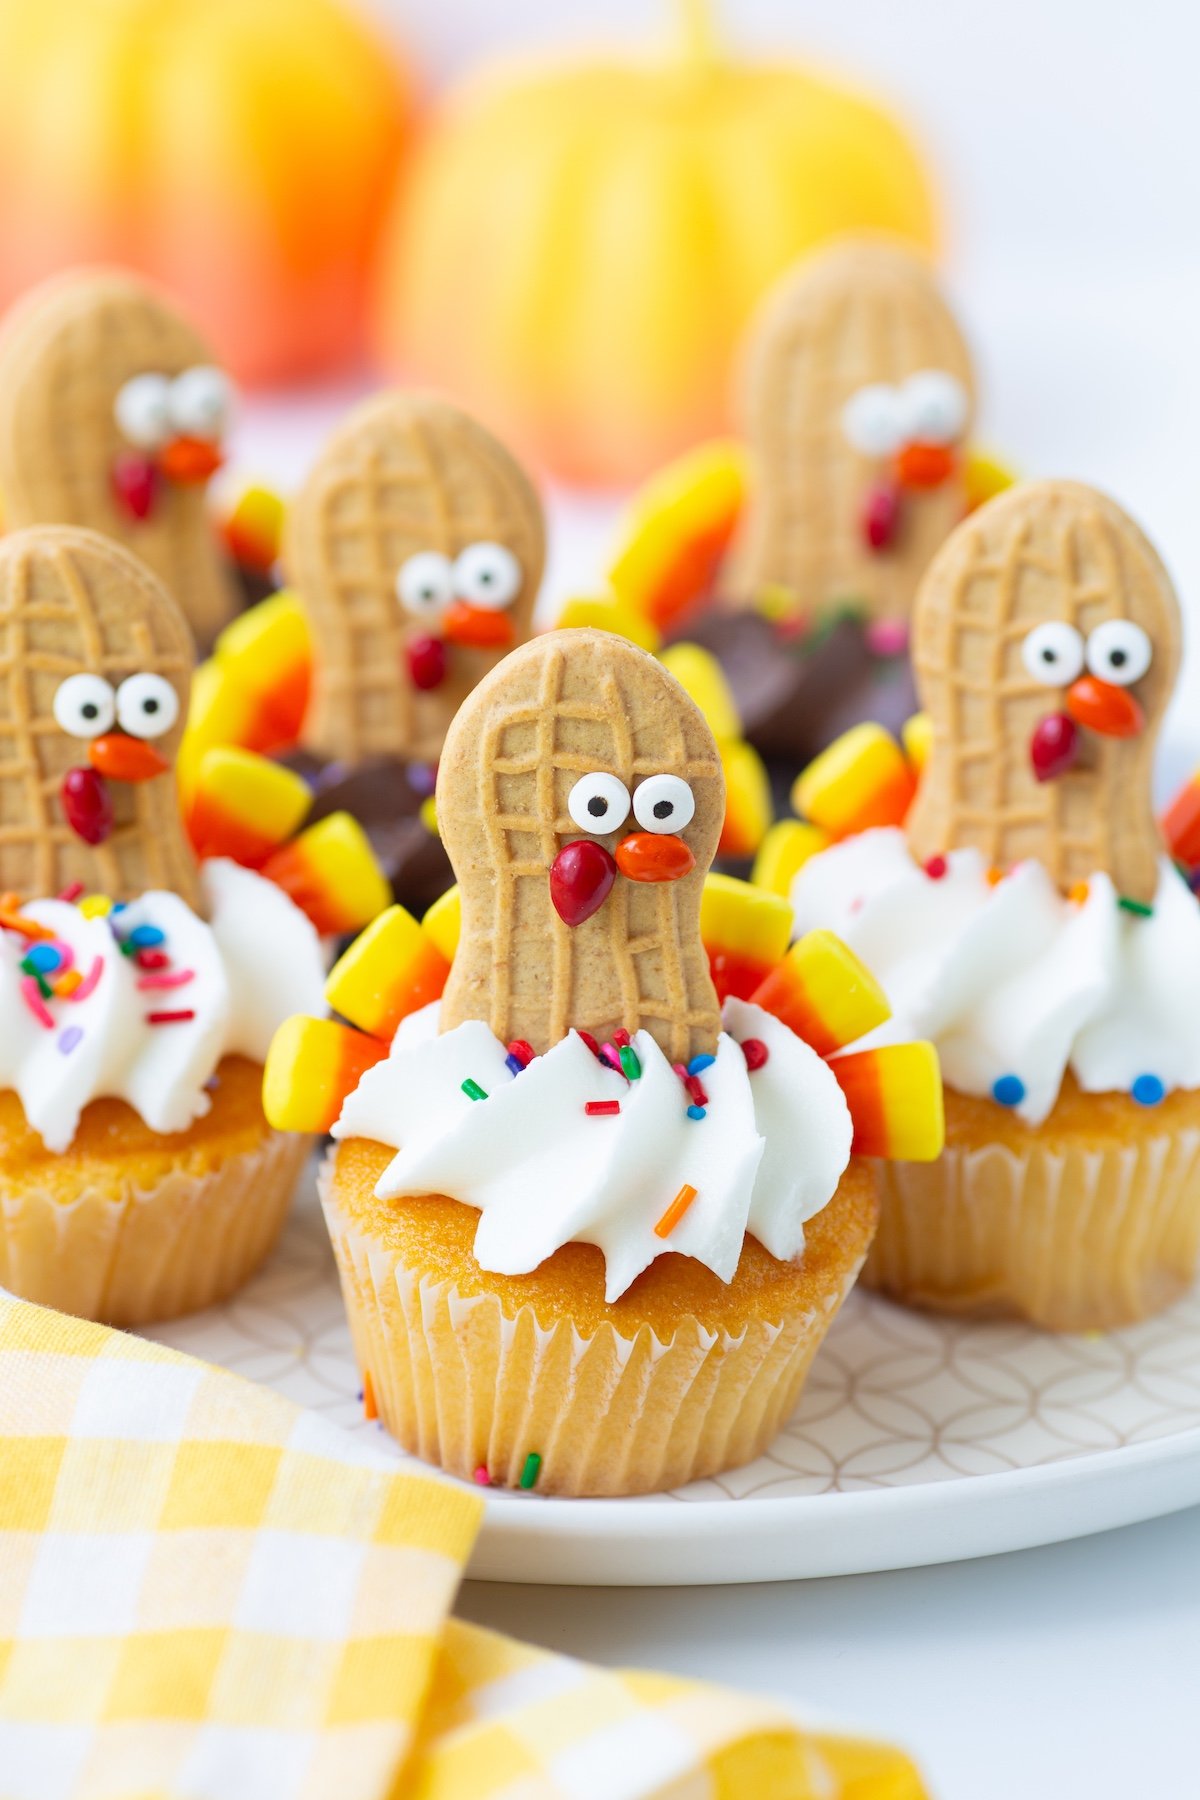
767, 1155
254, 963
1012, 981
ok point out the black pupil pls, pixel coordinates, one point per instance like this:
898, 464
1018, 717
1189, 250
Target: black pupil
663, 809
90, 710
485, 575
150, 705
597, 806
1049, 655
1118, 658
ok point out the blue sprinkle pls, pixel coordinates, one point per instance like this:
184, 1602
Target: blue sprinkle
696, 1112
41, 959
698, 1064
514, 1063
1148, 1090
118, 906
69, 1038
1008, 1090
147, 937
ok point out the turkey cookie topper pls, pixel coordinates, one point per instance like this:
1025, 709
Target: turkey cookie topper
1046, 647
858, 400
416, 548
112, 413
582, 800
95, 662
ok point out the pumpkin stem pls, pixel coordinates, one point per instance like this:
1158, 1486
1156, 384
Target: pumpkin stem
697, 32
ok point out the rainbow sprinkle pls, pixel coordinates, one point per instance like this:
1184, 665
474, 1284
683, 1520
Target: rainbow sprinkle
472, 1090
481, 1476
1138, 908
676, 1210
631, 1068
531, 1471
601, 1109
180, 1017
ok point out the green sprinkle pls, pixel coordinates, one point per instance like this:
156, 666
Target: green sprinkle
1138, 908
472, 1090
630, 1063
531, 1471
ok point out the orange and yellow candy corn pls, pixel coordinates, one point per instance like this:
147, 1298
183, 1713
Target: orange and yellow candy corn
784, 851
749, 809
331, 873
702, 678
1181, 823
678, 530
311, 1066
443, 922
895, 1100
393, 969
862, 780
267, 653
745, 931
606, 612
917, 737
244, 806
252, 528
823, 993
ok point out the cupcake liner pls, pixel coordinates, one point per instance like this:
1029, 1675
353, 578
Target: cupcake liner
462, 1383
150, 1254
1074, 1237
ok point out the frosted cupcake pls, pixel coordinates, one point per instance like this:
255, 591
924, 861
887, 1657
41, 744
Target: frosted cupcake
138, 993
583, 1215
1028, 920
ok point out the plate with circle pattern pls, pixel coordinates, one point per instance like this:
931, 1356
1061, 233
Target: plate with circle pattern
918, 1439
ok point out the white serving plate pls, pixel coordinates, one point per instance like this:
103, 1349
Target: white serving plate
918, 1440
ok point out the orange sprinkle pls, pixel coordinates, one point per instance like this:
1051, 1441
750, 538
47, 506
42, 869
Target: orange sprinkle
370, 1409
995, 876
66, 984
675, 1211
16, 921
1079, 893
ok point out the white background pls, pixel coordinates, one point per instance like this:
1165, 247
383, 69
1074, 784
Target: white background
1067, 138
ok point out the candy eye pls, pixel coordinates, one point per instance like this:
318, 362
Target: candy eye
873, 420
201, 402
85, 706
664, 803
147, 705
1119, 651
142, 410
425, 584
1053, 653
487, 575
934, 407
599, 803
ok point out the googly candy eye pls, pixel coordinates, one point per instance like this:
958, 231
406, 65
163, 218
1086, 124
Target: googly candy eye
85, 706
1119, 651
147, 705
599, 803
142, 410
934, 406
487, 575
664, 803
873, 420
1053, 653
201, 402
425, 584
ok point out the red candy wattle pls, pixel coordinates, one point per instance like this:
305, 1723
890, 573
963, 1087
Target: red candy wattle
881, 516
581, 879
1054, 746
134, 483
427, 662
87, 806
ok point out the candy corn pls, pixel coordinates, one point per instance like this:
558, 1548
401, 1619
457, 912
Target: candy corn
860, 781
745, 931
823, 993
311, 1066
917, 737
392, 970
252, 528
749, 809
985, 477
605, 612
783, 852
701, 676
331, 873
1181, 823
220, 711
895, 1100
443, 923
268, 654
678, 530
244, 806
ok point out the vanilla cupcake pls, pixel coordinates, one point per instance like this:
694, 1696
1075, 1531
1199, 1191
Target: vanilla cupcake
138, 993
591, 1227
1029, 922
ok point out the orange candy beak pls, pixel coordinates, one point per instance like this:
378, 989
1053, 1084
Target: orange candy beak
478, 628
649, 856
925, 465
122, 758
188, 461
1101, 707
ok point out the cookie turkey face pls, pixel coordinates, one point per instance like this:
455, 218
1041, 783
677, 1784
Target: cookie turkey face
416, 548
580, 799
859, 396
112, 415
95, 665
1046, 648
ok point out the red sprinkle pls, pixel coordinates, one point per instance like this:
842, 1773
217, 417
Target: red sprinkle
88, 984
589, 1040
601, 1109
177, 978
755, 1053
523, 1052
71, 894
151, 959
31, 993
936, 867
621, 1038
695, 1090
170, 1018
482, 1477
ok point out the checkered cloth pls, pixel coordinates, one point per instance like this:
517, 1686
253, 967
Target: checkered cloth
208, 1594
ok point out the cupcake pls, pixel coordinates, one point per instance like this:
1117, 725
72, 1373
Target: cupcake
591, 1226
138, 992
1028, 920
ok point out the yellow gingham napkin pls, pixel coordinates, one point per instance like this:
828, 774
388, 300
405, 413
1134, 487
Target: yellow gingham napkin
208, 1594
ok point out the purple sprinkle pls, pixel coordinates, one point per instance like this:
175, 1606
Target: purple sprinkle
515, 1064
69, 1038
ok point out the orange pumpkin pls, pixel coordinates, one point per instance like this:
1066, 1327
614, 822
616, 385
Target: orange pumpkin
579, 246
239, 151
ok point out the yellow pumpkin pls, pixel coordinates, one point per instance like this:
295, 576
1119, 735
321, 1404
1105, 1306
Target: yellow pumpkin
239, 151
579, 246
